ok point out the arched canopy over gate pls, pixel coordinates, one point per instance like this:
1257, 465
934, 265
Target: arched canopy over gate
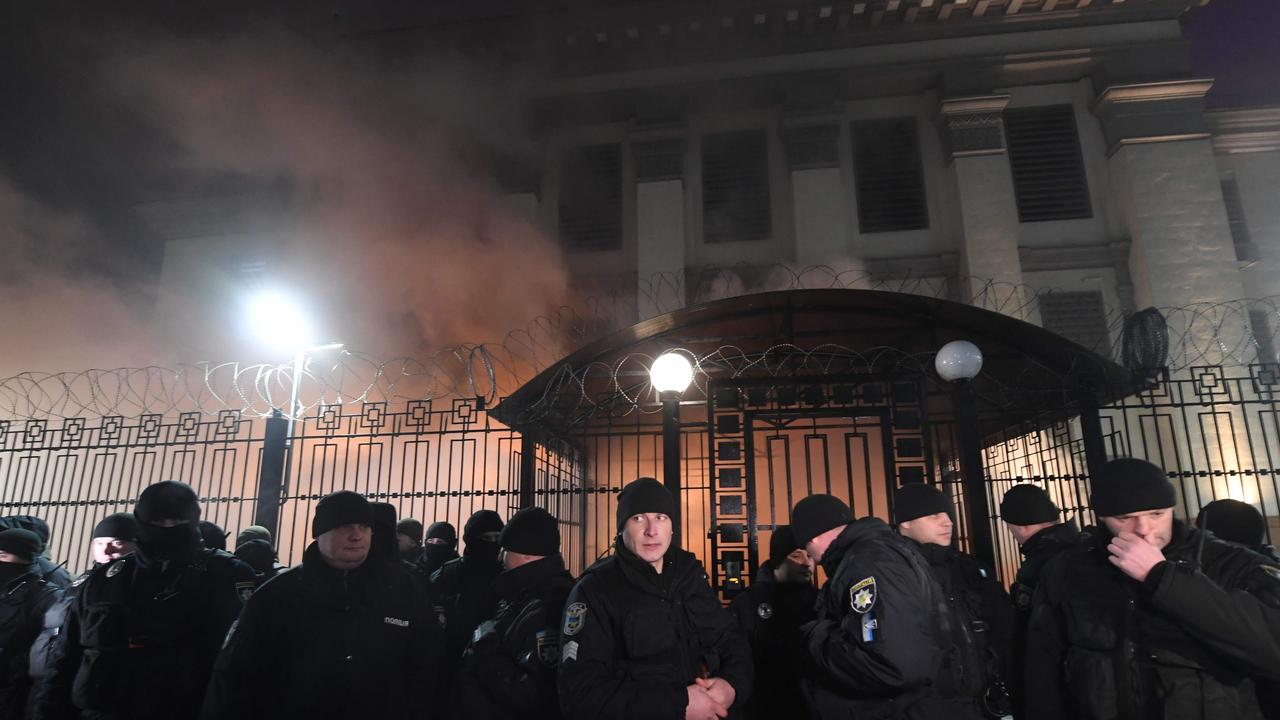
805, 391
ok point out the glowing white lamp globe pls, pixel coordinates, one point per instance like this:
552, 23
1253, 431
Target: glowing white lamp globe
278, 321
671, 372
958, 360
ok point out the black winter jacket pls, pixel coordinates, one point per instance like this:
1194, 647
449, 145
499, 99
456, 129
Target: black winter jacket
462, 591
319, 643
24, 598
633, 640
1037, 551
770, 615
42, 648
140, 639
509, 668
1187, 643
882, 634
981, 628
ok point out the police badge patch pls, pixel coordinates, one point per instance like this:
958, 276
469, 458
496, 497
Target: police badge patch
244, 590
764, 610
574, 617
548, 647
862, 596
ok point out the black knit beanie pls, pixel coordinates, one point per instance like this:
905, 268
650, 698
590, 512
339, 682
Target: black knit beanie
253, 532
167, 500
411, 529
1234, 521
481, 522
644, 495
916, 500
532, 531
212, 536
442, 530
117, 525
23, 543
1129, 485
340, 508
782, 543
817, 514
1028, 504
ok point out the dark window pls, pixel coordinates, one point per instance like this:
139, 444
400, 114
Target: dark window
888, 177
735, 187
1048, 171
1245, 250
591, 198
1080, 317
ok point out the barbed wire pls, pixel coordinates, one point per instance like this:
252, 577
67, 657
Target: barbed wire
1239, 332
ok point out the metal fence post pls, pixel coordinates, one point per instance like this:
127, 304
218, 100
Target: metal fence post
271, 473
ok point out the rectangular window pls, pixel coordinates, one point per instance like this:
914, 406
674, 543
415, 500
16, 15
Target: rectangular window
735, 187
888, 177
1080, 317
591, 198
1048, 170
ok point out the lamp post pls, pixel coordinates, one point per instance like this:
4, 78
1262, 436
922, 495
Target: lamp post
959, 362
280, 324
670, 376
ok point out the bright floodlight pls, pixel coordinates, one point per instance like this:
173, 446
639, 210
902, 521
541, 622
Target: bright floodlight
958, 360
671, 372
279, 322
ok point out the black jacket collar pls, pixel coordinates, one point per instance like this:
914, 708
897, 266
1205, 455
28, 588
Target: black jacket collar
858, 531
1050, 538
512, 583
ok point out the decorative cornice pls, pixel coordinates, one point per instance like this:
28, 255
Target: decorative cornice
1194, 89
1245, 130
975, 105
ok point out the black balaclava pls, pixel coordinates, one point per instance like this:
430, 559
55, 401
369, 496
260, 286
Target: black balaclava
168, 500
22, 544
438, 553
478, 547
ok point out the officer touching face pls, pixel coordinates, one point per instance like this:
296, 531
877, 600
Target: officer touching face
644, 637
1148, 617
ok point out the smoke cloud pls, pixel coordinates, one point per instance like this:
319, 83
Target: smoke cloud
355, 185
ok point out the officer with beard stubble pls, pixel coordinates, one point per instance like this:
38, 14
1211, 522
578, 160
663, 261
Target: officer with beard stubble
141, 636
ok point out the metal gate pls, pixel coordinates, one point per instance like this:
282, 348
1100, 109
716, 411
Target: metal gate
778, 440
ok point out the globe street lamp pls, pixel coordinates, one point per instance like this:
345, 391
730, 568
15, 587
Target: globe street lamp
670, 376
958, 362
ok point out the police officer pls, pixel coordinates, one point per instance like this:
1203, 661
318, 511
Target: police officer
1237, 522
509, 668
770, 614
113, 537
981, 616
25, 596
643, 634
346, 634
439, 547
1148, 617
141, 635
463, 588
409, 540
1033, 519
53, 573
878, 645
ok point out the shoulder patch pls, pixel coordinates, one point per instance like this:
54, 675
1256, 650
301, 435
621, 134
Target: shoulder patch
575, 616
244, 590
548, 647
116, 567
862, 595
569, 651
1272, 570
764, 610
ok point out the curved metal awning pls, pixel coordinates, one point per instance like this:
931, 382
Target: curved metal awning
804, 333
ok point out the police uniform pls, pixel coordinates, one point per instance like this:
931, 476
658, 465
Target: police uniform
770, 615
633, 640
25, 596
315, 642
878, 645
981, 621
509, 668
1186, 643
139, 640
1037, 551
